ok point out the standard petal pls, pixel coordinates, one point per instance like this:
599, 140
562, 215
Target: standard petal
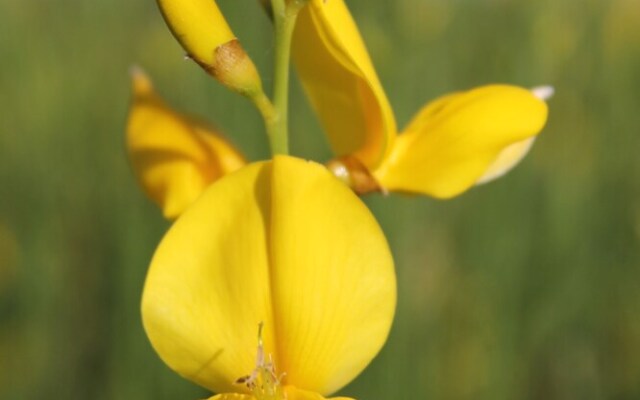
334, 283
174, 157
208, 284
453, 142
339, 78
281, 242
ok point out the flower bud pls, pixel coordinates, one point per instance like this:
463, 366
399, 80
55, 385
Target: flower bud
175, 157
203, 32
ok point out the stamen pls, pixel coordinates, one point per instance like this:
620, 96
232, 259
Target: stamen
263, 382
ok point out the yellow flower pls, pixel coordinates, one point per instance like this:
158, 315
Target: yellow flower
281, 242
341, 83
174, 157
453, 143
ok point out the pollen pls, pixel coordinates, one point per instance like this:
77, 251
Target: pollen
263, 382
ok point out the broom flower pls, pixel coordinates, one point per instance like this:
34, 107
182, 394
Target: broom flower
452, 144
280, 242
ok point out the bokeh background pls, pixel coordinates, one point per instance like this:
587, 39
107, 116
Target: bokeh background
527, 288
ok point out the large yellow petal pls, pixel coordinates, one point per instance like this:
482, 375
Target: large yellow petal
335, 284
174, 157
292, 393
282, 242
339, 78
457, 140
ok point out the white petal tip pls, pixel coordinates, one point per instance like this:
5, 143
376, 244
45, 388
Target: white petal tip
543, 92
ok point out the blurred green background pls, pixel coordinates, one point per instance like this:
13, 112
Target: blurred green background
527, 288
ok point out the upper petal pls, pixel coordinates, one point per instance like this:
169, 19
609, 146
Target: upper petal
282, 242
334, 286
339, 78
174, 157
456, 141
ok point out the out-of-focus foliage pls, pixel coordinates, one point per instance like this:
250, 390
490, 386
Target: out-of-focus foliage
527, 288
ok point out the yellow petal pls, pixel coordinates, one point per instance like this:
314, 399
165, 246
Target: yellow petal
513, 154
292, 393
336, 309
282, 242
507, 159
175, 158
337, 74
232, 396
453, 142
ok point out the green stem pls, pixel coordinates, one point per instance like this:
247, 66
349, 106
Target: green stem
285, 19
270, 117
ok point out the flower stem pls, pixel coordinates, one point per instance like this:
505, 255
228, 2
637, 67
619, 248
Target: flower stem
285, 19
270, 117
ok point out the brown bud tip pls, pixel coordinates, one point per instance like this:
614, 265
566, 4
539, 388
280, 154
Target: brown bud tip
234, 68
